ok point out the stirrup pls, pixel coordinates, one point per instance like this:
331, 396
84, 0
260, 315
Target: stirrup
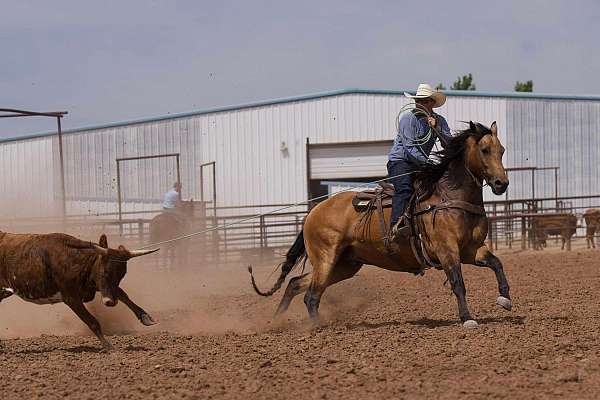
400, 230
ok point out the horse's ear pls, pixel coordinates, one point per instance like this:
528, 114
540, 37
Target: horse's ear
494, 128
473, 126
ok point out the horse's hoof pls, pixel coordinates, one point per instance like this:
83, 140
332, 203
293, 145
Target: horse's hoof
106, 347
315, 324
470, 324
147, 320
504, 303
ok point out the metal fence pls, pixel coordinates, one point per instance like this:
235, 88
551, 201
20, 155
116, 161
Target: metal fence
510, 220
257, 238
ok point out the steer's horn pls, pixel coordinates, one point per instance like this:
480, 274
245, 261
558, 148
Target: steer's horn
137, 253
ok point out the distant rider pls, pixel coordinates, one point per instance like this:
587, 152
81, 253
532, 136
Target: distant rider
172, 199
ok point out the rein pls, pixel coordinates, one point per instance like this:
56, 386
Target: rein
480, 184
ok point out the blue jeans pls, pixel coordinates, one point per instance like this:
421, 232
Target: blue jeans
403, 187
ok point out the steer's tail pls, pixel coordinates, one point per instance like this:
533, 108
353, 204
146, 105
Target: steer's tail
295, 255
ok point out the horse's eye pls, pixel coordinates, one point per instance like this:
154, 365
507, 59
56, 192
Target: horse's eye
486, 151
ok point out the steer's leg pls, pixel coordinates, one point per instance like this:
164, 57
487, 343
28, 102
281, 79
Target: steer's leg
78, 308
485, 258
139, 312
4, 293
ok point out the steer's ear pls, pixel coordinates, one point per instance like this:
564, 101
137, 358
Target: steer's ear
103, 242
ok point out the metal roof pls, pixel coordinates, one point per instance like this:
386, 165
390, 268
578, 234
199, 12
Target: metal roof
313, 96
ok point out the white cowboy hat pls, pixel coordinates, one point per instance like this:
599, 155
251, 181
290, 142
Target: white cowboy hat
424, 91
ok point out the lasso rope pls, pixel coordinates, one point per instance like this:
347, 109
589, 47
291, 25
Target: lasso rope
418, 110
306, 202
417, 141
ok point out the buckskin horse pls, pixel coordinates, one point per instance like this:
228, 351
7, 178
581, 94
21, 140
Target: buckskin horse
448, 213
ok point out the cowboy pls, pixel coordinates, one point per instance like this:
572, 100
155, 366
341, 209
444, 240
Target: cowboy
418, 130
172, 198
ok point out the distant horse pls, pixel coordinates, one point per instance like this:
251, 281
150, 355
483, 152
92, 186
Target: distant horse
449, 215
592, 224
171, 224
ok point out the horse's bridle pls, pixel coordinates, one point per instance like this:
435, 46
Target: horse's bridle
479, 184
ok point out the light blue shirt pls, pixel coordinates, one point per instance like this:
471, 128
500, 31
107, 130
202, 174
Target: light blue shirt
171, 199
412, 128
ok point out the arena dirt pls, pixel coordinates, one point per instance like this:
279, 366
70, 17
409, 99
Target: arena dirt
387, 335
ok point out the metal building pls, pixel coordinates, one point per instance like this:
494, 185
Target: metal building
280, 151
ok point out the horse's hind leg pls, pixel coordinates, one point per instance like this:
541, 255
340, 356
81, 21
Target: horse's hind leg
485, 258
297, 285
342, 270
327, 271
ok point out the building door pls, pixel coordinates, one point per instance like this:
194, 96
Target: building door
351, 162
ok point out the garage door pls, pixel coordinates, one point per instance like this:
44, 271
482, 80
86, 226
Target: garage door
348, 160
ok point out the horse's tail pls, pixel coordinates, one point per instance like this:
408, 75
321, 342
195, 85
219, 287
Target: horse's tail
295, 255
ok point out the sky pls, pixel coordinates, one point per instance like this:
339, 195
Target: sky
108, 61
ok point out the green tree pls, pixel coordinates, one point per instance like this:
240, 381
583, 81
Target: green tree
464, 83
524, 86
440, 86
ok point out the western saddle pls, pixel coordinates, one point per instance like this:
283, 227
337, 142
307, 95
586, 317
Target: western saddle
365, 200
381, 197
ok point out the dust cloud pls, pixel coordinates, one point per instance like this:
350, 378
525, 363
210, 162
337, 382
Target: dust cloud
197, 298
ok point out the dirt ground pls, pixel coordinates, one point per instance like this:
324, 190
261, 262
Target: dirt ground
388, 335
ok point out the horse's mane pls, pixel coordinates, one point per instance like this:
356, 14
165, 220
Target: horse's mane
428, 176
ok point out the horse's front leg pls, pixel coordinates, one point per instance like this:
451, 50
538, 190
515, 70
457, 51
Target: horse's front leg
450, 260
485, 258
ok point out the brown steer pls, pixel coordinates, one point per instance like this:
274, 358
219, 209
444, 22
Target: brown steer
592, 224
564, 225
53, 268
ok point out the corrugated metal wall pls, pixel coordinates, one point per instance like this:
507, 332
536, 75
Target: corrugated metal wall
27, 178
548, 133
252, 168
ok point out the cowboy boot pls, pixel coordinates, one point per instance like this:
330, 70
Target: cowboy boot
401, 230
